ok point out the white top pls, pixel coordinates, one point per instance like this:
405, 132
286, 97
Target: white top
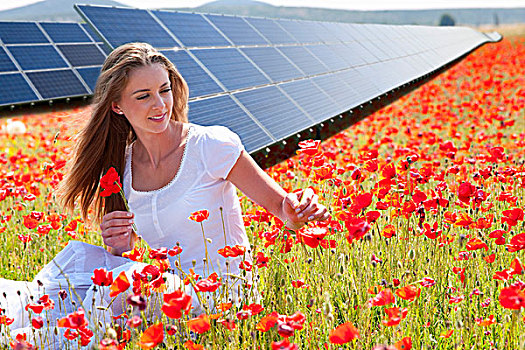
162, 215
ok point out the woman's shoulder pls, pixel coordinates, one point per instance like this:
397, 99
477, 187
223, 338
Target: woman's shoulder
213, 134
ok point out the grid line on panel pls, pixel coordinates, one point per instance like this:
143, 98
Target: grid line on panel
271, 30
57, 83
237, 30
58, 33
15, 89
21, 33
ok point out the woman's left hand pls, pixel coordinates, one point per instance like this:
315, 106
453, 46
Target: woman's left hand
302, 206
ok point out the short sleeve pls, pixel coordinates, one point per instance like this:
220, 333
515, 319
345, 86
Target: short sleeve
221, 149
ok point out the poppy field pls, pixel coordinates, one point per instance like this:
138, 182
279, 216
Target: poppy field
424, 248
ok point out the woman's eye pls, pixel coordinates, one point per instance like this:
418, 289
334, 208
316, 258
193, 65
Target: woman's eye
142, 97
166, 90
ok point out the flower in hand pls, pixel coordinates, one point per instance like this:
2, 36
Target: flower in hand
110, 183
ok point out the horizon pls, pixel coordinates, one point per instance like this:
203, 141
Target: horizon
372, 5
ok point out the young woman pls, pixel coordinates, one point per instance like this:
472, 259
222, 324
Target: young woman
170, 168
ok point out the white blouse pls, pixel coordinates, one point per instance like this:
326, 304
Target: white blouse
162, 215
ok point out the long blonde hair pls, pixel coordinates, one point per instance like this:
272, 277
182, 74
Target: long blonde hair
102, 143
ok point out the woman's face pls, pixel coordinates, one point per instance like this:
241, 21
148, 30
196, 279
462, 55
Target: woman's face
147, 100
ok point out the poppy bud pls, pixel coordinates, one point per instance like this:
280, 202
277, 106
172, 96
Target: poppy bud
111, 333
411, 254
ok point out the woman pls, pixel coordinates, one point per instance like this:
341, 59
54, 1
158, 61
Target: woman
170, 168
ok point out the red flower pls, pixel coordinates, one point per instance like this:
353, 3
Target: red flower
233, 252
284, 345
200, 216
152, 336
210, 284
101, 277
384, 297
394, 316
312, 236
404, 344
199, 324
516, 243
110, 183
37, 322
309, 147
119, 285
512, 298
512, 216
158, 254
466, 191
176, 303
175, 251
409, 292
343, 334
74, 320
476, 243
190, 345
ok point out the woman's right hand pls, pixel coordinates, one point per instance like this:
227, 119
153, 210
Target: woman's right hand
117, 231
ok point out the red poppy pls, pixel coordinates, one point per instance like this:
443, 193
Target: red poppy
210, 284
512, 298
190, 345
490, 258
409, 293
267, 322
384, 297
343, 334
309, 147
152, 336
312, 236
516, 243
476, 243
101, 277
137, 254
199, 216
110, 183
176, 303
119, 285
200, 324
158, 254
284, 345
512, 216
404, 344
394, 316
175, 251
389, 231
37, 322
74, 320
233, 252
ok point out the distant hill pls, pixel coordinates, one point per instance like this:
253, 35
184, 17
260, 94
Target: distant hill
63, 10
52, 10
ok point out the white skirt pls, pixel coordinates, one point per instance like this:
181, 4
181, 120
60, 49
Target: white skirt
71, 271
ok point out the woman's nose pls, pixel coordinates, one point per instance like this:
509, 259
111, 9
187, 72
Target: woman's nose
158, 102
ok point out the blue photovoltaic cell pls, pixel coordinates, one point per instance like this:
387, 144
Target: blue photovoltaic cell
94, 36
273, 63
90, 76
357, 54
6, 65
237, 30
222, 110
271, 31
65, 32
21, 33
199, 82
56, 84
312, 99
14, 89
82, 55
327, 55
231, 68
274, 111
361, 84
334, 87
350, 57
121, 25
107, 50
303, 59
37, 57
338, 30
320, 31
297, 30
191, 29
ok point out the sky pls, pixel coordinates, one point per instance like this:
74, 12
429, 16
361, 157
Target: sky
333, 4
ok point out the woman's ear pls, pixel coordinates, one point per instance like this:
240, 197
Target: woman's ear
115, 108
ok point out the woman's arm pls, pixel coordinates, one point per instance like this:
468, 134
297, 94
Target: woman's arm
295, 209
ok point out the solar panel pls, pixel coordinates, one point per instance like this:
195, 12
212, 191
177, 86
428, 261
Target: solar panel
45, 52
15, 89
90, 76
82, 54
65, 32
299, 30
193, 30
273, 63
57, 84
274, 33
276, 113
303, 59
329, 57
123, 25
37, 57
223, 110
21, 33
199, 82
312, 99
237, 30
6, 64
231, 68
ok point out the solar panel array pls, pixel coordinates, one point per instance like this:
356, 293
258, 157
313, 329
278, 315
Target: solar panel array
267, 79
47, 60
